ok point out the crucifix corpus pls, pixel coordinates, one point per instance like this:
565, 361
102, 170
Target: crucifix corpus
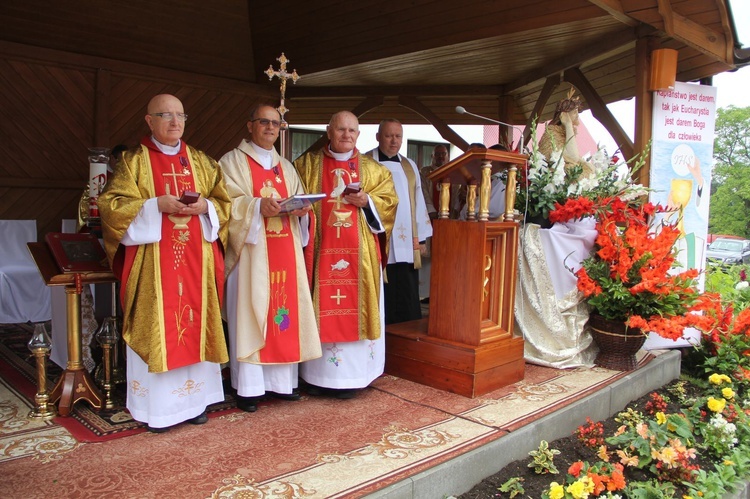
283, 75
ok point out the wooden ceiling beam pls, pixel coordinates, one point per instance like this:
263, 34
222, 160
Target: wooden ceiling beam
600, 110
614, 9
608, 43
699, 37
301, 92
441, 126
547, 90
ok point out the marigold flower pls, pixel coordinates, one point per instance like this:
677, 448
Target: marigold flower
727, 393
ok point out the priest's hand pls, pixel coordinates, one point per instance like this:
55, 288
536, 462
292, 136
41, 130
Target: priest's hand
358, 199
301, 212
269, 207
169, 204
198, 208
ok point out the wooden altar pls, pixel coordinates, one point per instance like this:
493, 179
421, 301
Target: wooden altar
467, 345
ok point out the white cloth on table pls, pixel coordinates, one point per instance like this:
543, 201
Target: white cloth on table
553, 326
23, 294
565, 246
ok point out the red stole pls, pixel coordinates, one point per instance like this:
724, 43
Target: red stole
180, 261
282, 325
338, 263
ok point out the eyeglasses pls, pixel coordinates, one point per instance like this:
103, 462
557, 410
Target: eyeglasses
266, 122
170, 116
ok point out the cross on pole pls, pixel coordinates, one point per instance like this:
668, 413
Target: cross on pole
283, 75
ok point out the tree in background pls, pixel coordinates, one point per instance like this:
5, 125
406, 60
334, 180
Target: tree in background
730, 185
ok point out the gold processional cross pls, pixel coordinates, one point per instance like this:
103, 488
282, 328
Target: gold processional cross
283, 75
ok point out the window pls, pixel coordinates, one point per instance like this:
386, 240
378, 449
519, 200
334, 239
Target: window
421, 152
302, 139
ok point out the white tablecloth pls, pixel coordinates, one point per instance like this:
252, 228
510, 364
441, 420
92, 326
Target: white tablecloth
23, 295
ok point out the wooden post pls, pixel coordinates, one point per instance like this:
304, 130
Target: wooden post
643, 104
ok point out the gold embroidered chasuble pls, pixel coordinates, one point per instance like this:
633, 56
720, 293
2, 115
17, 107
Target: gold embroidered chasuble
251, 260
376, 181
142, 296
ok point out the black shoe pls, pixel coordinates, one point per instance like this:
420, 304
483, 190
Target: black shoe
345, 394
293, 397
425, 300
158, 430
201, 418
315, 391
247, 404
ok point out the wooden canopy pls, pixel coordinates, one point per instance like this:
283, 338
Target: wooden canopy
78, 74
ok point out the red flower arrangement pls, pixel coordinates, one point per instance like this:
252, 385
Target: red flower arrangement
630, 277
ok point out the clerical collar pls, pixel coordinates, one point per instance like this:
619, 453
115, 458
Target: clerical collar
384, 157
341, 156
167, 149
265, 156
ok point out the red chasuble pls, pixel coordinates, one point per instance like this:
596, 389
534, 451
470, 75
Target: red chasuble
338, 268
282, 325
180, 257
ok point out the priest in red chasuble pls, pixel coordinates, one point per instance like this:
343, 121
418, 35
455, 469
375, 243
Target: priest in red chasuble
169, 256
350, 243
269, 309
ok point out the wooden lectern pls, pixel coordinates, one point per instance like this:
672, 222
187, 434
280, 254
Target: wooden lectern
466, 345
75, 383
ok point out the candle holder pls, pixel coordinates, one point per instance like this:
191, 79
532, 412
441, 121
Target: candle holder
107, 336
40, 345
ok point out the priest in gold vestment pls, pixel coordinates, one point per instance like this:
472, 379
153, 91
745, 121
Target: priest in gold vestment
352, 227
169, 257
269, 311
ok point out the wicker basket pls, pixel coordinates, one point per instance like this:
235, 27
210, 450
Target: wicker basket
617, 343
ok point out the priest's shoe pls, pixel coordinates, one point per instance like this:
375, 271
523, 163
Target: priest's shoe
201, 418
158, 430
344, 393
294, 396
247, 404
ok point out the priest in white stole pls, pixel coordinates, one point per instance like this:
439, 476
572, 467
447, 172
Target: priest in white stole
350, 250
269, 309
410, 230
169, 257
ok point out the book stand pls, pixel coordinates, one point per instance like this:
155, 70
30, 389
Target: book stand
75, 383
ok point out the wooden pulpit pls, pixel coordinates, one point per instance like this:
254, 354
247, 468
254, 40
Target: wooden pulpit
467, 344
75, 383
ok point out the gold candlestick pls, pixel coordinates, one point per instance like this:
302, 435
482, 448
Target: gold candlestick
40, 345
107, 337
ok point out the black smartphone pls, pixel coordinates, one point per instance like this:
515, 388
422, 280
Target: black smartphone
189, 197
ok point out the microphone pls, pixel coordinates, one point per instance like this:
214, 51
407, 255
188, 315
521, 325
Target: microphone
462, 110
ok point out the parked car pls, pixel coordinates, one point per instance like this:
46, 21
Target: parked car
725, 251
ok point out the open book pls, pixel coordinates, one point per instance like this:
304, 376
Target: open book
299, 201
